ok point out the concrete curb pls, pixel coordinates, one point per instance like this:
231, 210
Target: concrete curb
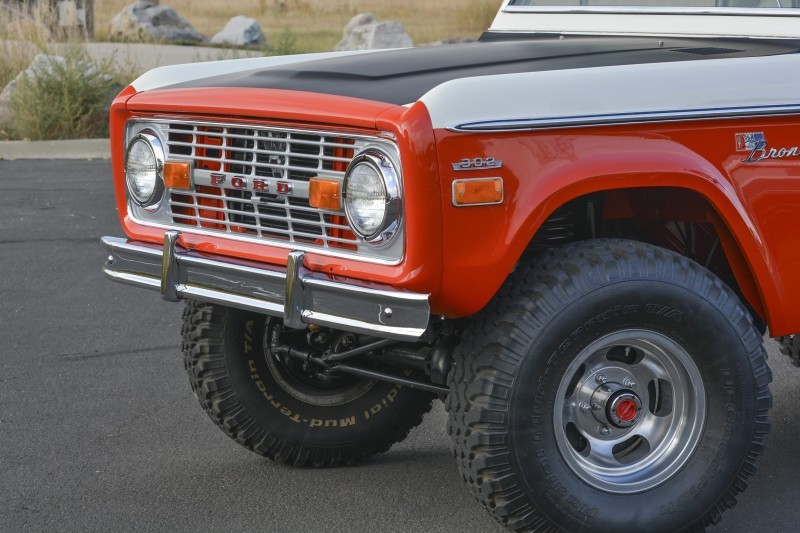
70, 149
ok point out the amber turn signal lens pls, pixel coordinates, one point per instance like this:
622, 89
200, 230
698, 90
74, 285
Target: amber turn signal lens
177, 175
478, 191
324, 194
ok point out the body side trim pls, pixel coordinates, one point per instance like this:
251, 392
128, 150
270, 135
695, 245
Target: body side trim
523, 124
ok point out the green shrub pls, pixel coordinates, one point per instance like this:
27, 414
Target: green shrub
63, 98
285, 44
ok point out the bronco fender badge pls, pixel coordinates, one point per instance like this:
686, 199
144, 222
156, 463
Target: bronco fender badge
478, 163
756, 144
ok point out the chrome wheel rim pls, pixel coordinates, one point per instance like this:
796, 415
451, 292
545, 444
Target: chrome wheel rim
630, 411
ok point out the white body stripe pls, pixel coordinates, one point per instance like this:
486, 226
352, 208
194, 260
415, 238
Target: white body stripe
650, 20
618, 90
171, 75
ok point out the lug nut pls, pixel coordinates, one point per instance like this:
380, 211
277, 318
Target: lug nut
629, 383
605, 430
596, 406
600, 378
585, 407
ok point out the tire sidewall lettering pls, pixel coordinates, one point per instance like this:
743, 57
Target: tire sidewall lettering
253, 381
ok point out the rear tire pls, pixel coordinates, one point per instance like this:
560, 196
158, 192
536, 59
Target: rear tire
276, 412
550, 428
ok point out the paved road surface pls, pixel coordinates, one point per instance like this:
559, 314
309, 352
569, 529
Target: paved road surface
99, 430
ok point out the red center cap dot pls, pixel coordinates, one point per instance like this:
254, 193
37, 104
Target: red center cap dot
626, 410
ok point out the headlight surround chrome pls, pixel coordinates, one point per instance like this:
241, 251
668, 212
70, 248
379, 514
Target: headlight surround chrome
372, 196
144, 167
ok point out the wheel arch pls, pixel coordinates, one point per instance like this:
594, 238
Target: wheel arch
701, 196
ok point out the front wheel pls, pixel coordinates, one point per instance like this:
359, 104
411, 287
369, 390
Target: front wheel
286, 410
611, 385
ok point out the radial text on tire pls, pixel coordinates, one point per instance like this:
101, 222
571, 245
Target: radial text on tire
278, 412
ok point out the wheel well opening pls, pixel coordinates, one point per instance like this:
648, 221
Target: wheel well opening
677, 219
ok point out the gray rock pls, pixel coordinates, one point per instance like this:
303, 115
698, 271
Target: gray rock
5, 102
241, 31
362, 19
145, 20
364, 32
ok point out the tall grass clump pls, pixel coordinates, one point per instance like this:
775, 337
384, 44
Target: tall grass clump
22, 35
284, 44
63, 97
64, 93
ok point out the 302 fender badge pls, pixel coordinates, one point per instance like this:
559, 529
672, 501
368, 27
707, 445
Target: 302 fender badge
756, 144
478, 163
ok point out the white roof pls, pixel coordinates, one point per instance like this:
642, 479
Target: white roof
674, 21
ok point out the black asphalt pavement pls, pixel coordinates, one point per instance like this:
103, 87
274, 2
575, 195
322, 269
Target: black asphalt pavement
99, 430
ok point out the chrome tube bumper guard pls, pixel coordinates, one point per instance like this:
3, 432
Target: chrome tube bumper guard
296, 294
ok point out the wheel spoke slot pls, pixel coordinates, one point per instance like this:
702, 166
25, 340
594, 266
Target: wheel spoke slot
625, 354
660, 397
631, 450
578, 442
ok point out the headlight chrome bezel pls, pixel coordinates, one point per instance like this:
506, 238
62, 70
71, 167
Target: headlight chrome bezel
153, 142
385, 167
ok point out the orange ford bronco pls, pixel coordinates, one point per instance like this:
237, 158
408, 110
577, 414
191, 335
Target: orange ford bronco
575, 232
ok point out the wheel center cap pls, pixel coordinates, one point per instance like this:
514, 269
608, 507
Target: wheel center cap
615, 404
623, 409
626, 410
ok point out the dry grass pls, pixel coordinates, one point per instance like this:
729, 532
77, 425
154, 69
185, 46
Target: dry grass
317, 24
65, 99
21, 37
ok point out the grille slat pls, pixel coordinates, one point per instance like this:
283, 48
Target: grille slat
272, 154
269, 230
267, 152
251, 213
262, 165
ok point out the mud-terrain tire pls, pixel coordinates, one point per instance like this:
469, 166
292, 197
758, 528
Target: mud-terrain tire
237, 386
550, 368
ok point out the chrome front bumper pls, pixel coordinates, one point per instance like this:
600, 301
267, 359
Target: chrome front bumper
295, 294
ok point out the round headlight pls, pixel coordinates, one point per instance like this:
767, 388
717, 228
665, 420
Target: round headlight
143, 167
371, 196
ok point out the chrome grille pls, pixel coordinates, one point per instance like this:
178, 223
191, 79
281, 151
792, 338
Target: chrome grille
267, 156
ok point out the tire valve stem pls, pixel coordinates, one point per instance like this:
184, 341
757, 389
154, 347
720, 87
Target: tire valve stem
605, 430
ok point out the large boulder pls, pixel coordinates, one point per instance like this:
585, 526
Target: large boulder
241, 31
145, 20
364, 32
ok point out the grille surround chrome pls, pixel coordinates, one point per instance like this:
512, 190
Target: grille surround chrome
253, 211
